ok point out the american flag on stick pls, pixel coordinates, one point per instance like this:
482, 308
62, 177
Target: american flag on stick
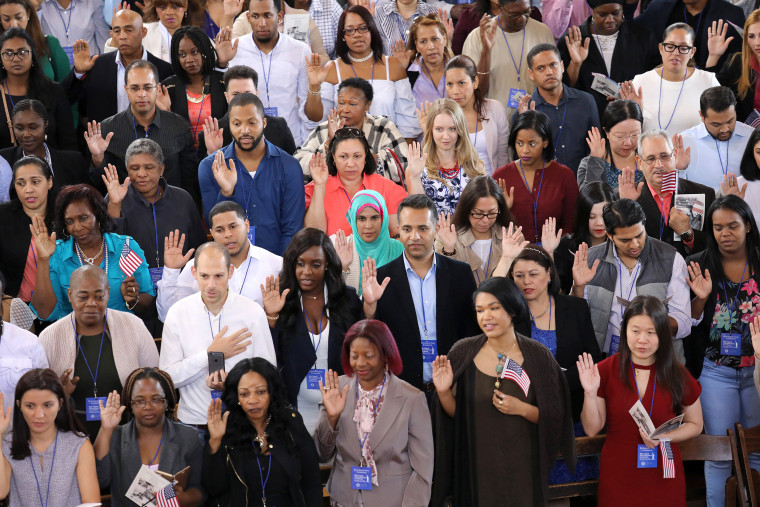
514, 371
668, 467
167, 497
670, 181
129, 261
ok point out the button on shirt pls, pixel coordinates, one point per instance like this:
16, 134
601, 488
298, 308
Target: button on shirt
188, 332
423, 292
20, 351
246, 279
83, 18
711, 159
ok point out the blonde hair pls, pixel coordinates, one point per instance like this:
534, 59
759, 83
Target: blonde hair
466, 155
428, 20
744, 84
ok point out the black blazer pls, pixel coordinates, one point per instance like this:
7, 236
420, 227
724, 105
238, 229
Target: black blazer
96, 91
455, 313
653, 215
15, 238
575, 335
295, 352
177, 93
69, 167
729, 75
276, 132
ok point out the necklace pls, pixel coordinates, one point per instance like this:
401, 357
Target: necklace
360, 60
502, 359
83, 257
542, 313
312, 297
260, 438
449, 173
195, 100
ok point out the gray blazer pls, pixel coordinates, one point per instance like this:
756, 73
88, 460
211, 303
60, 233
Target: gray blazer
181, 447
401, 443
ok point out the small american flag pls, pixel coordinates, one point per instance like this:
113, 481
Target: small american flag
514, 371
668, 466
670, 181
129, 261
753, 120
167, 497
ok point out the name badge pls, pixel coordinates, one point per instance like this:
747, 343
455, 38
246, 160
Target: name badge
155, 275
429, 350
647, 458
313, 378
361, 478
69, 50
216, 394
252, 235
730, 344
271, 111
515, 96
614, 344
92, 408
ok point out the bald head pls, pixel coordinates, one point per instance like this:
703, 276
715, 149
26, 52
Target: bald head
127, 17
127, 32
88, 272
215, 250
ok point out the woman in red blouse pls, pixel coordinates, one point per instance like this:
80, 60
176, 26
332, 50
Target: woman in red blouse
632, 470
543, 188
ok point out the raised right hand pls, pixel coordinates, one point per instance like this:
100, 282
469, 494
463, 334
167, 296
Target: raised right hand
754, 331
422, 114
488, 26
344, 249
526, 104
69, 384
582, 274
589, 374
110, 414
443, 374
333, 397
95, 141
595, 143
116, 191
212, 135
5, 418
217, 423
318, 169
43, 244
371, 290
272, 300
416, 161
446, 232
730, 186
334, 124
173, 244
512, 241
231, 345
314, 70
700, 285
576, 46
717, 44
627, 187
628, 92
83, 62
225, 175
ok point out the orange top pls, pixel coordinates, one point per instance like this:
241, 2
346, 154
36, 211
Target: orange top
198, 112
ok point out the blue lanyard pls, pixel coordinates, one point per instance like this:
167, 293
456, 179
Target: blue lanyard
522, 49
488, 264
267, 74
13, 105
477, 120
87, 363
372, 81
732, 305
311, 331
155, 224
654, 389
430, 77
203, 99
50, 474
538, 196
633, 281
159, 448
134, 126
374, 412
724, 170
65, 25
422, 304
659, 100
661, 208
699, 20
250, 259
208, 314
261, 476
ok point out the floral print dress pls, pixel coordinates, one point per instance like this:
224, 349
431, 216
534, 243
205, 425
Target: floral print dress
733, 316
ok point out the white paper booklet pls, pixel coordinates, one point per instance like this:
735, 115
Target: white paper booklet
145, 485
645, 424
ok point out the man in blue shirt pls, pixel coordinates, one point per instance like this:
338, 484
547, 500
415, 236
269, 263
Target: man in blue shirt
263, 179
572, 112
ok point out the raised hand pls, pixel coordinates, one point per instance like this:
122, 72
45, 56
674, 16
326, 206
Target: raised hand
226, 49
344, 249
232, 8
225, 175
318, 169
526, 104
717, 44
95, 141
700, 285
371, 290
163, 100
422, 115
399, 52
83, 62
443, 374
446, 232
448, 22
550, 236
69, 384
582, 273
416, 161
43, 244
628, 92
5, 418
509, 196
730, 186
588, 373
512, 242
754, 331
488, 26
367, 4
576, 46
217, 422
333, 397
315, 72
212, 135
596, 143
116, 192
173, 245
272, 300
334, 124
627, 187
683, 156
110, 414
231, 345
215, 381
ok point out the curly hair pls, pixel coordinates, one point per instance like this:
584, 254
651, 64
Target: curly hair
160, 376
204, 45
81, 193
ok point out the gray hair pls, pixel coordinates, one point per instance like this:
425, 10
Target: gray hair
654, 133
144, 146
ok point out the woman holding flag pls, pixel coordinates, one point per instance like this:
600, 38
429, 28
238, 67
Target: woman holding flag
502, 404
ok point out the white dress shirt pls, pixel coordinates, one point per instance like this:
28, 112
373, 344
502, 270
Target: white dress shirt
710, 159
188, 332
82, 19
283, 82
20, 351
246, 280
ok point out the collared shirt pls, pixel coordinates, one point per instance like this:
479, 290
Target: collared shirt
272, 198
423, 295
663, 204
571, 119
83, 18
424, 90
189, 330
337, 200
122, 100
710, 159
20, 351
326, 14
283, 83
246, 279
392, 25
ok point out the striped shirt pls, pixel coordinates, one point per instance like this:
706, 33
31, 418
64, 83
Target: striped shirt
393, 26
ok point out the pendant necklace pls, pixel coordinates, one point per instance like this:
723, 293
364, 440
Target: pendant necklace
89, 260
260, 438
502, 359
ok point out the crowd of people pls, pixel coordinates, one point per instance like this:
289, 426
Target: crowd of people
511, 222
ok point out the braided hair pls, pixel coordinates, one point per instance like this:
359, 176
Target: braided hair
160, 376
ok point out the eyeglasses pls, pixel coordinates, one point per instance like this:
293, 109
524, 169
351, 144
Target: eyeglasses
349, 133
662, 157
155, 402
136, 89
667, 46
361, 29
626, 137
22, 54
480, 216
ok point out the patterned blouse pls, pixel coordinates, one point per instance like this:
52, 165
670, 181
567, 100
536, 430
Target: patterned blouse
445, 195
744, 308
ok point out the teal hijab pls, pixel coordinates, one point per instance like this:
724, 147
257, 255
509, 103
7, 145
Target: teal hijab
384, 249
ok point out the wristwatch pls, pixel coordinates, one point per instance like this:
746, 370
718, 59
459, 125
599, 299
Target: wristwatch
687, 236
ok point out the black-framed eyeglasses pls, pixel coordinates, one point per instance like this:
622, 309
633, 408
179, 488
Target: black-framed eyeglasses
349, 133
23, 54
684, 50
155, 402
479, 216
361, 29
136, 89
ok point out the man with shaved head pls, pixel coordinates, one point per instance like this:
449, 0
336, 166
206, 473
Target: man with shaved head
97, 82
94, 348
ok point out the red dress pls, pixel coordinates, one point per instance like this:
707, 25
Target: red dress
620, 482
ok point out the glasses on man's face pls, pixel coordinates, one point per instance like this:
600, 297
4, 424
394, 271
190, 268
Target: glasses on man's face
136, 89
634, 137
479, 216
348, 133
23, 54
361, 29
667, 46
155, 402
664, 158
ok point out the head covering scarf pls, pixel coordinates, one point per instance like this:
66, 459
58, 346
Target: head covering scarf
384, 249
597, 3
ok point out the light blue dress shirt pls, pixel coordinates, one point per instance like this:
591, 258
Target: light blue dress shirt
712, 159
423, 295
